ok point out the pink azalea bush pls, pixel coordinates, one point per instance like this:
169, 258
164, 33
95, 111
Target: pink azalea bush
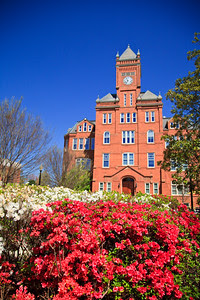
107, 250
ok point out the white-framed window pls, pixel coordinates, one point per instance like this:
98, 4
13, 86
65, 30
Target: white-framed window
128, 137
85, 127
128, 118
106, 160
81, 144
175, 165
80, 128
109, 118
92, 143
150, 136
74, 147
89, 128
134, 119
109, 186
152, 116
128, 159
124, 99
147, 188
104, 118
122, 118
131, 99
84, 162
87, 144
179, 189
146, 116
106, 137
151, 160
101, 186
155, 188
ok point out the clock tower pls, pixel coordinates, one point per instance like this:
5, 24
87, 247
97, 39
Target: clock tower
128, 73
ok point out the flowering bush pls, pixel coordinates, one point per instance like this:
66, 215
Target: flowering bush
113, 251
94, 249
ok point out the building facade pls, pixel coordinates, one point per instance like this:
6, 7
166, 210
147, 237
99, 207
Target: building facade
123, 145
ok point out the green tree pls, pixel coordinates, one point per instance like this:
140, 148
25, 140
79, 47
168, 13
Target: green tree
78, 178
184, 147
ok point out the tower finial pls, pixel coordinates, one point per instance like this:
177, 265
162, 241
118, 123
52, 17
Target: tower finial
117, 55
138, 53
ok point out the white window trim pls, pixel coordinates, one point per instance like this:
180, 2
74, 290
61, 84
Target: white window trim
127, 117
89, 128
79, 128
152, 112
81, 144
185, 189
121, 118
131, 99
135, 117
104, 160
148, 137
104, 118
128, 159
110, 186
146, 114
84, 127
147, 183
110, 119
107, 137
155, 183
129, 137
75, 144
148, 160
100, 186
125, 99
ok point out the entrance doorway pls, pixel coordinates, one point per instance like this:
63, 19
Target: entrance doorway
128, 186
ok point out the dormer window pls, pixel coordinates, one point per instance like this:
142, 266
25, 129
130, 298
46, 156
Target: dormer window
89, 128
79, 128
85, 127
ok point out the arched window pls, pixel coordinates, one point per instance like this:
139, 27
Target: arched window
150, 136
106, 137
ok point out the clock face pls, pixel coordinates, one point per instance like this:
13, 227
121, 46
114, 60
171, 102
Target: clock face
128, 80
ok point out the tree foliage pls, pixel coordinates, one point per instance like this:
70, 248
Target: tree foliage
23, 140
184, 146
78, 178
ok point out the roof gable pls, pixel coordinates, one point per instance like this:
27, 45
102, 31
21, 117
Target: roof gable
108, 98
148, 95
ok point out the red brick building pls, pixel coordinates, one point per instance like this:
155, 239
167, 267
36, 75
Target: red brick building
123, 145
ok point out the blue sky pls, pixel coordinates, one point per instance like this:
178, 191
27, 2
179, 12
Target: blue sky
60, 55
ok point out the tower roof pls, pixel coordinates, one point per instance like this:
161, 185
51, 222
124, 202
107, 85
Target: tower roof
128, 54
